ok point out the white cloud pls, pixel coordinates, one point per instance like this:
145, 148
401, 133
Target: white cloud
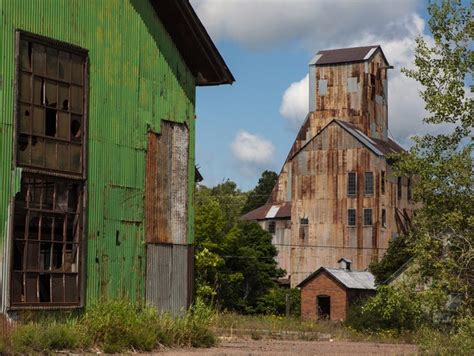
294, 103
252, 149
265, 23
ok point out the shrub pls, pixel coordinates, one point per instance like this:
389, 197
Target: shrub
274, 302
391, 308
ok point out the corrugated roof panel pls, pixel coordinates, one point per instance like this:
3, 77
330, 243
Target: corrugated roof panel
344, 55
353, 279
272, 211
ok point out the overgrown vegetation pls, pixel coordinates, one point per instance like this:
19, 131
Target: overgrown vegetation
442, 237
235, 260
114, 327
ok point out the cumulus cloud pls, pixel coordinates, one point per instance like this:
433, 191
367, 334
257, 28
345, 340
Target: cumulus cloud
252, 149
294, 103
265, 23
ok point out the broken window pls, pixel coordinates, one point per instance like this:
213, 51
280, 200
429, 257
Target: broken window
351, 183
368, 217
384, 218
271, 227
48, 211
369, 183
382, 182
351, 217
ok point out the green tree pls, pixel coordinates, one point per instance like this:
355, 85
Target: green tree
442, 239
259, 195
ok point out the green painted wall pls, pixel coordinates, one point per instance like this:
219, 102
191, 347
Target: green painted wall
136, 79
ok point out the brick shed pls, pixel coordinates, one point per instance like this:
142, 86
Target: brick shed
327, 293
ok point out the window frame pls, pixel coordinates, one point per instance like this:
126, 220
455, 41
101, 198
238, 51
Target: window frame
349, 193
366, 185
51, 174
272, 226
354, 211
371, 217
384, 217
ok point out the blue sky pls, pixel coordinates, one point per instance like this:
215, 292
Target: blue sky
248, 127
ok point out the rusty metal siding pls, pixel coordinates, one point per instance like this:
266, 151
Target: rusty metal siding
166, 196
137, 78
169, 277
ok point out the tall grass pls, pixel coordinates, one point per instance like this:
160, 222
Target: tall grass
113, 327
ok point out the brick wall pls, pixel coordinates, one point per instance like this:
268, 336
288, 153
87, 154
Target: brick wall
322, 284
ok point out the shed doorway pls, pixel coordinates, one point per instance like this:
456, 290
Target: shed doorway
324, 307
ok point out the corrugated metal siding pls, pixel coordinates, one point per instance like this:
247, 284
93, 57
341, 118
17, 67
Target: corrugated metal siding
166, 185
136, 79
169, 277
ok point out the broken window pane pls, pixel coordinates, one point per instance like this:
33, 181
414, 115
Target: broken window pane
25, 118
76, 99
24, 149
38, 91
51, 94
63, 97
76, 128
63, 125
50, 122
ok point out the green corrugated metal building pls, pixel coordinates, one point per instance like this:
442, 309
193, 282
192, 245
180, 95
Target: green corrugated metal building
97, 150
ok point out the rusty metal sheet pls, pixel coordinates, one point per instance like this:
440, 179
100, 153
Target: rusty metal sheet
166, 193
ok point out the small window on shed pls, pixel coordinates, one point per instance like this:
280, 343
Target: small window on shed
351, 217
369, 183
368, 217
351, 184
271, 227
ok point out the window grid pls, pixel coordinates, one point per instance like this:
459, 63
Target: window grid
351, 217
351, 184
368, 217
369, 183
271, 227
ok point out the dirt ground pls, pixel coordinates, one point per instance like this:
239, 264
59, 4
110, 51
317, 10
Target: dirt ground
251, 347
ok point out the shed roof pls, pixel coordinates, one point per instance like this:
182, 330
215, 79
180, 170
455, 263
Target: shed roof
349, 279
269, 211
193, 42
347, 55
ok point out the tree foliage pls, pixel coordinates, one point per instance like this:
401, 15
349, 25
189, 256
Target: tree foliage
442, 237
259, 195
235, 265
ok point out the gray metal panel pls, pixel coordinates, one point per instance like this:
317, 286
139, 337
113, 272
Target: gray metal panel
312, 88
167, 278
288, 184
322, 87
366, 140
354, 279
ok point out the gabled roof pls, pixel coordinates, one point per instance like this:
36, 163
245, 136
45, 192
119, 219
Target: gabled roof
269, 211
193, 42
349, 279
347, 55
377, 146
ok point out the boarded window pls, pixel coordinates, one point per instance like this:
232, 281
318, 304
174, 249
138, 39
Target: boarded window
382, 182
166, 197
351, 184
384, 218
367, 217
48, 212
369, 183
271, 227
351, 217
399, 187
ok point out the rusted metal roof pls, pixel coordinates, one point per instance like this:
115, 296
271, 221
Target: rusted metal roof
269, 211
349, 279
345, 55
193, 42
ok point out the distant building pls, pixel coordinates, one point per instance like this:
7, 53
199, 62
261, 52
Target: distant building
97, 168
336, 195
328, 292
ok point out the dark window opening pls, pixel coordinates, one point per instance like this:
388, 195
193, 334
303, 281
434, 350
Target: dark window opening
48, 215
351, 217
324, 307
351, 184
399, 187
368, 217
304, 221
384, 218
382, 182
369, 183
409, 191
271, 227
